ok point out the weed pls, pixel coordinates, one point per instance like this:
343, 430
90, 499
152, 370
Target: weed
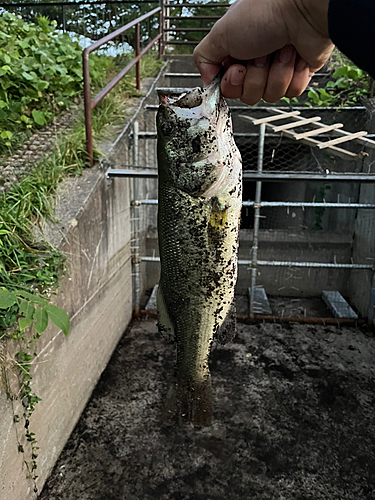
30, 268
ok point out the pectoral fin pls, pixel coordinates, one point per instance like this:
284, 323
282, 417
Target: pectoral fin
165, 325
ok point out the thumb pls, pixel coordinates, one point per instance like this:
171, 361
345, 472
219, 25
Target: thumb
209, 54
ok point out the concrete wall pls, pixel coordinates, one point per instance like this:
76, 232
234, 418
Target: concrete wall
96, 293
95, 233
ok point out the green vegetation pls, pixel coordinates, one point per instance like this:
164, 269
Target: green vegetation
41, 78
40, 74
92, 22
347, 87
27, 261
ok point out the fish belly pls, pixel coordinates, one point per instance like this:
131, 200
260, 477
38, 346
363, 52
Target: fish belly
198, 240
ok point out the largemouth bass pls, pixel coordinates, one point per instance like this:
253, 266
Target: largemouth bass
200, 185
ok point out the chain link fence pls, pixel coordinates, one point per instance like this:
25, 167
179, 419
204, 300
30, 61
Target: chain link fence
312, 236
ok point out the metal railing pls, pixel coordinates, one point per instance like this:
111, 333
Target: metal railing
89, 18
90, 103
168, 29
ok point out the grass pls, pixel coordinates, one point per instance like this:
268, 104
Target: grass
27, 260
30, 266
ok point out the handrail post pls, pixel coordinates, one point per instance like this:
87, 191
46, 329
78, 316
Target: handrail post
137, 52
258, 199
162, 26
161, 29
91, 103
63, 17
87, 104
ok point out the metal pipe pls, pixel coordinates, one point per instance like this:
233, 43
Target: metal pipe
188, 29
300, 204
307, 176
310, 321
311, 264
186, 42
144, 202
212, 5
176, 18
153, 135
258, 193
122, 73
198, 75
371, 309
87, 106
254, 176
63, 17
266, 108
243, 318
161, 31
72, 4
89, 103
276, 263
137, 53
303, 204
94, 46
167, 23
136, 260
143, 174
135, 142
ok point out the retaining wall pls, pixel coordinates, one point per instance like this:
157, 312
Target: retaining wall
94, 232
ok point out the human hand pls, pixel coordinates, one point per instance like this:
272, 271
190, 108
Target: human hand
271, 48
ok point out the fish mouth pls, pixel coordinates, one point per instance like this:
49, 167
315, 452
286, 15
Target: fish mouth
181, 99
206, 99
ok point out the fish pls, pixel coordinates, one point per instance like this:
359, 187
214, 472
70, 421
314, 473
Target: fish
199, 205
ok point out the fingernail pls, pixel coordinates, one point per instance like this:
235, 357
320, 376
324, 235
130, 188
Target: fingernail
285, 54
237, 78
301, 65
260, 62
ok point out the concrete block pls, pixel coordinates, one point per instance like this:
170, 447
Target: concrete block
151, 304
261, 305
338, 305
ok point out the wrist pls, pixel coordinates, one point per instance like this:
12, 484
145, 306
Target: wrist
315, 13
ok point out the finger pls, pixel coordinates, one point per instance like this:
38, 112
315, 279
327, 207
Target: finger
255, 80
232, 81
210, 52
301, 78
280, 74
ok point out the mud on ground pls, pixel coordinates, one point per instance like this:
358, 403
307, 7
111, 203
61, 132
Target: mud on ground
294, 419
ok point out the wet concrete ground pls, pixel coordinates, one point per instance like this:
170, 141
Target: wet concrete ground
294, 419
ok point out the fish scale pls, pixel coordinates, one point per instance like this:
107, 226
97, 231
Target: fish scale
198, 219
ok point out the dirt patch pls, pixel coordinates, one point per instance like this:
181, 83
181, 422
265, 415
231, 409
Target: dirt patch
294, 419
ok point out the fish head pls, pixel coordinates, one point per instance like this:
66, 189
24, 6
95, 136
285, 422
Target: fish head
196, 148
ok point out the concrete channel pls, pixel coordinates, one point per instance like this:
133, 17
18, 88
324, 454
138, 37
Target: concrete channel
293, 403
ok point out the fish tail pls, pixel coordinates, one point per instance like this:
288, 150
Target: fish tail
189, 403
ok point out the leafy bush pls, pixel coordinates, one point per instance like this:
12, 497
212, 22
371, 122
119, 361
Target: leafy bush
40, 74
347, 87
